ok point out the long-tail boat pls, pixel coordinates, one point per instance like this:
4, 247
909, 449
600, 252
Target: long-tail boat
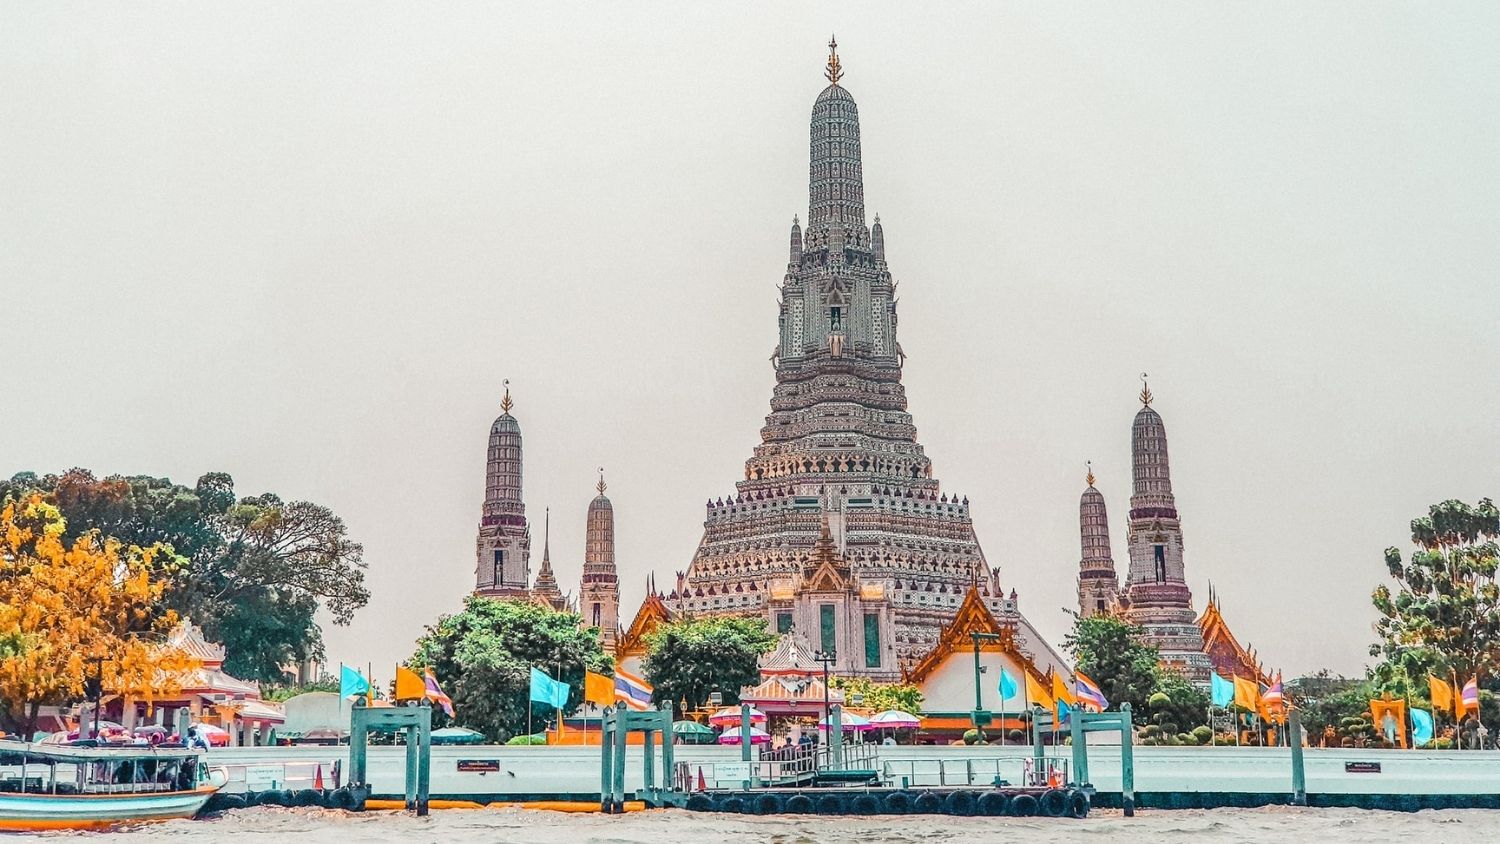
45, 787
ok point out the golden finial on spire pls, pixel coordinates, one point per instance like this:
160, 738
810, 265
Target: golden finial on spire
601, 487
1145, 391
506, 404
834, 72
1090, 464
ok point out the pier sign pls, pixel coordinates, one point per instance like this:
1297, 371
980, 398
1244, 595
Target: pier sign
1361, 767
733, 772
479, 766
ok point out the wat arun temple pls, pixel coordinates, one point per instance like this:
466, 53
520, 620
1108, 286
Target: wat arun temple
838, 532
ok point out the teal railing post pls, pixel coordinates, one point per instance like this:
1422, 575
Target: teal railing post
359, 736
649, 757
424, 757
668, 764
411, 768
1037, 759
622, 733
836, 736
606, 760
1299, 773
1127, 762
1080, 746
745, 741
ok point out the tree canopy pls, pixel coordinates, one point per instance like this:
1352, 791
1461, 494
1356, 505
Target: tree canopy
691, 658
64, 603
484, 655
1110, 651
1444, 615
253, 572
881, 696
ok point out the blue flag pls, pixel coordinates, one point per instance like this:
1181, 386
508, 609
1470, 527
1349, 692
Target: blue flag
1222, 690
546, 690
351, 682
1421, 727
1063, 711
1008, 687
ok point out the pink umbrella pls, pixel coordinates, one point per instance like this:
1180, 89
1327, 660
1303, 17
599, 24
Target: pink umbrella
756, 737
730, 715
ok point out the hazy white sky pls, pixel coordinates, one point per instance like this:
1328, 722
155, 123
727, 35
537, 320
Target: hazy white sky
304, 243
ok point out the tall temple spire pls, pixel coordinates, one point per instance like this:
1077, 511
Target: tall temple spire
1097, 582
546, 589
599, 594
839, 439
1156, 595
503, 543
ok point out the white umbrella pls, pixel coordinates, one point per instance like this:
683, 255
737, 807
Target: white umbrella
895, 719
848, 721
757, 736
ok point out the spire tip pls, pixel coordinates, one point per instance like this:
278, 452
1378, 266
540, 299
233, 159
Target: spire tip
834, 71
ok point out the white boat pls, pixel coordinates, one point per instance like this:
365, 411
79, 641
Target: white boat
45, 787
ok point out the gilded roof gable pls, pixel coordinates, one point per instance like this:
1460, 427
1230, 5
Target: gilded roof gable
972, 617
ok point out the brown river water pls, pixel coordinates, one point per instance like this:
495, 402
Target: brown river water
1282, 825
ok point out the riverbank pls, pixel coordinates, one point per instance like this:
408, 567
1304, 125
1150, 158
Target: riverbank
517, 826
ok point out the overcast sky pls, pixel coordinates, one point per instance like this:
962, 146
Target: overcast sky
304, 244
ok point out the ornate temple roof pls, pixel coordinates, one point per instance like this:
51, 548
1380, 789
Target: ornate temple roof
973, 617
1223, 649
826, 570
792, 690
793, 656
188, 638
652, 614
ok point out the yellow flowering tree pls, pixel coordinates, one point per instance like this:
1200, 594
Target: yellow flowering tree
63, 605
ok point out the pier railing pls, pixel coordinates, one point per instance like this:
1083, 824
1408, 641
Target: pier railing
1017, 770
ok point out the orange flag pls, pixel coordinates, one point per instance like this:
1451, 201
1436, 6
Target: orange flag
1037, 695
1388, 713
1442, 694
1246, 694
409, 685
598, 689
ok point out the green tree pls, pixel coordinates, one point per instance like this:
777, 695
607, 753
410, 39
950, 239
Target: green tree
1110, 651
1444, 615
484, 655
253, 572
881, 696
691, 658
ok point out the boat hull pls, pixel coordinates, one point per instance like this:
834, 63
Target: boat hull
36, 812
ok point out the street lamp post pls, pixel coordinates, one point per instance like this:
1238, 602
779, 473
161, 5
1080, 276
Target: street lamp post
827, 658
978, 669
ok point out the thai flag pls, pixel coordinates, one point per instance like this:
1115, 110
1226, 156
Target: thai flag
632, 691
1471, 694
1273, 696
436, 694
1088, 693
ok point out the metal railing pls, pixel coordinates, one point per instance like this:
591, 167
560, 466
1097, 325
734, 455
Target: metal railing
999, 770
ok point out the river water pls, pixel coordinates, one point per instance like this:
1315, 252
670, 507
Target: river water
1282, 825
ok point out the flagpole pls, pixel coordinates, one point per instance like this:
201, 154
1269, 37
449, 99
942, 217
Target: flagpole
1001, 690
